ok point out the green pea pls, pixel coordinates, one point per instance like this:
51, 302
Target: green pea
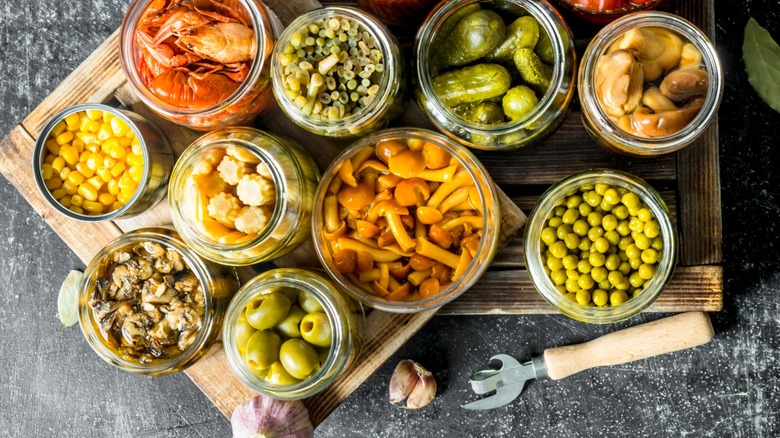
561, 288
316, 330
642, 242
613, 262
572, 273
580, 228
266, 310
615, 278
558, 277
636, 280
597, 259
635, 263
644, 214
633, 251
620, 212
646, 271
573, 201
584, 267
563, 230
571, 240
623, 228
554, 263
555, 222
595, 233
624, 285
650, 256
636, 225
651, 229
594, 219
600, 297
299, 358
585, 209
585, 282
570, 216
558, 249
624, 243
560, 210
599, 274
583, 297
571, 296
606, 206
289, 326
277, 375
658, 244
611, 196
585, 254
637, 292
570, 261
601, 188
624, 268
584, 245
601, 244
587, 187
548, 236
572, 285
308, 302
262, 349
609, 222
606, 285
593, 199
612, 237
630, 200
618, 297
243, 332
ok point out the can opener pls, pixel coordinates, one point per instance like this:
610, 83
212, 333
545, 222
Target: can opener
679, 332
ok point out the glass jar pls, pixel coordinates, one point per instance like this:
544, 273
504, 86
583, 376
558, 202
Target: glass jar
546, 116
532, 246
240, 107
347, 323
390, 98
157, 164
484, 253
293, 172
405, 13
608, 133
597, 11
218, 283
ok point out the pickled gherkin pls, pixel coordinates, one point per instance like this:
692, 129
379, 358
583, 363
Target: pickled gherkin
518, 102
472, 84
544, 49
534, 72
522, 33
486, 113
474, 36
450, 23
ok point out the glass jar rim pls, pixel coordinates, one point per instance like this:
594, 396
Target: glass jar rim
203, 145
263, 30
328, 297
86, 317
541, 11
40, 151
594, 111
381, 34
488, 242
532, 246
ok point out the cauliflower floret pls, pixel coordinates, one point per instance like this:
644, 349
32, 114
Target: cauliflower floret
255, 190
264, 171
224, 208
242, 154
231, 170
252, 220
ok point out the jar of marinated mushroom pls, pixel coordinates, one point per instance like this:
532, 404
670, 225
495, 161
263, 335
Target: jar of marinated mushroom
495, 75
150, 305
337, 71
650, 83
241, 196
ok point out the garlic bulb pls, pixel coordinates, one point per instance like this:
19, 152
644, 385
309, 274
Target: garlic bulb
412, 380
265, 417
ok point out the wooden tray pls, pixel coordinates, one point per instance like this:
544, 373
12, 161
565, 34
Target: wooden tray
688, 180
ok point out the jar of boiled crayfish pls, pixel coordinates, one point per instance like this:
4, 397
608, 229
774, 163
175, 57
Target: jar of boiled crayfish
203, 67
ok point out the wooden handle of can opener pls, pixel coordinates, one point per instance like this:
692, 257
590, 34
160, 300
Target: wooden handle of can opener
686, 330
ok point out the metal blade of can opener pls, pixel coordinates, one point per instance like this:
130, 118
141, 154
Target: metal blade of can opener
679, 332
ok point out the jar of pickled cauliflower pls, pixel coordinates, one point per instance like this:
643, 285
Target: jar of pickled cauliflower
241, 196
204, 66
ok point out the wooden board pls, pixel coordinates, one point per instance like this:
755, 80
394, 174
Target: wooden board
688, 181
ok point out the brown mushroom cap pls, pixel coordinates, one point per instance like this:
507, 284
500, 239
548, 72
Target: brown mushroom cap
619, 80
659, 50
664, 123
686, 83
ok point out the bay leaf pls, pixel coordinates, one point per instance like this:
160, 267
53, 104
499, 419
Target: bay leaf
762, 63
68, 299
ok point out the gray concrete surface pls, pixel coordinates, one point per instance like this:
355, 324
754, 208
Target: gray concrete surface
53, 385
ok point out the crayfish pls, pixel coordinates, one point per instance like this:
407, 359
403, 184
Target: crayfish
194, 53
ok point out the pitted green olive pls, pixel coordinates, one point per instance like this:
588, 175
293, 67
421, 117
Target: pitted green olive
522, 33
299, 358
243, 332
315, 329
308, 302
290, 293
472, 84
277, 375
289, 326
475, 35
262, 350
266, 310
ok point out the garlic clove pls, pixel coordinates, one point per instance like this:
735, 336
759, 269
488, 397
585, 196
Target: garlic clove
412, 380
263, 416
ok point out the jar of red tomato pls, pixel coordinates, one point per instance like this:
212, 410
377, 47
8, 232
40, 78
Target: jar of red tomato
199, 64
604, 11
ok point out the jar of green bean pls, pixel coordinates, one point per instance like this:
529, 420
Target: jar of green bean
337, 71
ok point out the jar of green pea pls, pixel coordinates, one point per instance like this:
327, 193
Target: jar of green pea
337, 71
600, 245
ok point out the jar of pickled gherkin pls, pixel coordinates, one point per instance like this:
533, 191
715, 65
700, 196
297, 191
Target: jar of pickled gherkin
337, 71
241, 196
289, 333
660, 108
150, 305
577, 213
495, 75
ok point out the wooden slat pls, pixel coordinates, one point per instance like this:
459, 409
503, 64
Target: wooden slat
85, 239
701, 228
511, 292
95, 80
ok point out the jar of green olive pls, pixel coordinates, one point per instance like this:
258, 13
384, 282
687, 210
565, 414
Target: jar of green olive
639, 103
337, 71
134, 323
289, 333
495, 75
241, 196
600, 246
